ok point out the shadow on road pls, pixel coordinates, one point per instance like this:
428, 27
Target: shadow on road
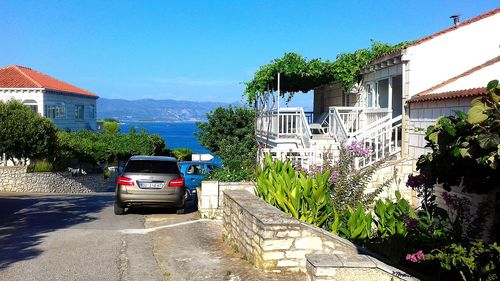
24, 221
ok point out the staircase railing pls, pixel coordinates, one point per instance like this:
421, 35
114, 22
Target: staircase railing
382, 140
337, 127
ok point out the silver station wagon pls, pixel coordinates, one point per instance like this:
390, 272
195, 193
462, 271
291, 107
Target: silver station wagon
150, 181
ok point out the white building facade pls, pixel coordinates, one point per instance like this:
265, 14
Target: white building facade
69, 107
376, 111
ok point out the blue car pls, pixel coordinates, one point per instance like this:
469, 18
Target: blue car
194, 172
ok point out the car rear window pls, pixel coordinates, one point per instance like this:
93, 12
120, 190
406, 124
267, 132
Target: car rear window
151, 166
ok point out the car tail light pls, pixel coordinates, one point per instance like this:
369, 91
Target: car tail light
178, 182
125, 181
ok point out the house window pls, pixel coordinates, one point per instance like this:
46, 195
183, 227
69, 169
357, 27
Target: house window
371, 95
79, 112
91, 109
31, 104
55, 111
383, 93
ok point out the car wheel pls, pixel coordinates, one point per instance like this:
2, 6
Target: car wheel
181, 210
119, 210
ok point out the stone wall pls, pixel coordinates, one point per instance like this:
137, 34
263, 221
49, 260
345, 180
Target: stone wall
211, 193
15, 179
397, 171
275, 242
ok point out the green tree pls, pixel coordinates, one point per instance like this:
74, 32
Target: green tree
182, 154
99, 148
111, 127
229, 133
25, 134
466, 147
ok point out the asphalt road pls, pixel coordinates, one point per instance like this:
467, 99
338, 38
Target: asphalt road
72, 237
78, 237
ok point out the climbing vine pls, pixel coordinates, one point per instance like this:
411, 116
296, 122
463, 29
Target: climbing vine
298, 74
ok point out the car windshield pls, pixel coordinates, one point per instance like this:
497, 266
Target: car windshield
151, 166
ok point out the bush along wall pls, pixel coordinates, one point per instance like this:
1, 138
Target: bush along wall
436, 243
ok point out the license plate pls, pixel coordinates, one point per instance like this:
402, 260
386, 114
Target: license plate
152, 185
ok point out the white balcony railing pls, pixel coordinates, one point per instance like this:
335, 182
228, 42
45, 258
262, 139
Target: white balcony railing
354, 120
382, 140
286, 123
372, 128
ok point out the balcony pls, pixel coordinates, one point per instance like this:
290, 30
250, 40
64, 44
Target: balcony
301, 137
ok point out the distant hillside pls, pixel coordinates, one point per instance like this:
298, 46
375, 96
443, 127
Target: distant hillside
158, 110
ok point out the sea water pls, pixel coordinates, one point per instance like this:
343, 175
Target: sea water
175, 134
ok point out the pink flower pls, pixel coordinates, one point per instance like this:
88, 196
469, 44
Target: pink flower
416, 257
333, 177
358, 150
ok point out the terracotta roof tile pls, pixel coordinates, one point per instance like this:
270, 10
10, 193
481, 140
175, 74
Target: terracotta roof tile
23, 77
450, 95
439, 33
432, 89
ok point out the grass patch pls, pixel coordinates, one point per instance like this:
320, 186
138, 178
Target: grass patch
40, 166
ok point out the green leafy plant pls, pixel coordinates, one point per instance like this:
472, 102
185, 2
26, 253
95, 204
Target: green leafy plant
353, 224
226, 174
100, 148
303, 197
40, 166
476, 261
391, 217
349, 184
25, 134
182, 154
111, 127
466, 147
301, 75
230, 133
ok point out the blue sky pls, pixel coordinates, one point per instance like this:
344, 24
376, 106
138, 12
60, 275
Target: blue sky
201, 50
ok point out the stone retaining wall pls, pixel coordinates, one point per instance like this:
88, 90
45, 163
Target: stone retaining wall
276, 242
211, 194
15, 179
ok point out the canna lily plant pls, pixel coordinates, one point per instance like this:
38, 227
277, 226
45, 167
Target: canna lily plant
304, 197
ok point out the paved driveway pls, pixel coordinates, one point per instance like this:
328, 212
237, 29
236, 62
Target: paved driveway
77, 237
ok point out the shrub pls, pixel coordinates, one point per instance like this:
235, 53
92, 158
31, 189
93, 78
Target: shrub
304, 197
475, 261
40, 166
182, 154
465, 147
229, 133
111, 127
100, 148
24, 134
353, 224
392, 217
349, 184
226, 174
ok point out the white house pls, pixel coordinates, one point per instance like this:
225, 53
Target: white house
398, 96
71, 108
397, 93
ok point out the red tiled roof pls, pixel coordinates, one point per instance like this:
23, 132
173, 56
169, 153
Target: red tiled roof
439, 33
15, 76
461, 24
453, 79
450, 95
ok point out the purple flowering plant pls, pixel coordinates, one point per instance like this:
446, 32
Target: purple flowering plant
358, 149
